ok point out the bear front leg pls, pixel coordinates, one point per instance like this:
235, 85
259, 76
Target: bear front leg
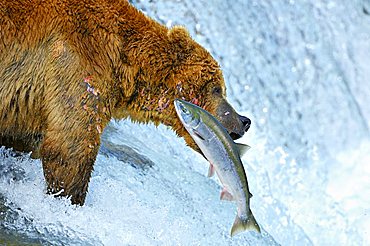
68, 158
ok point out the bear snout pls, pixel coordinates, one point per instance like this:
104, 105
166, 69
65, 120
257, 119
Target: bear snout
246, 122
244, 127
235, 124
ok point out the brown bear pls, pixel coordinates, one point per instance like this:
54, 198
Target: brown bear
68, 66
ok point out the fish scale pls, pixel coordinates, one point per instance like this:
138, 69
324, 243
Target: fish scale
224, 157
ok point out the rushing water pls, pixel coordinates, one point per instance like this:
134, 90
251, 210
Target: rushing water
300, 70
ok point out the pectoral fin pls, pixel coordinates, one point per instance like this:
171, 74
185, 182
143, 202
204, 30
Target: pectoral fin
225, 195
196, 133
243, 148
211, 170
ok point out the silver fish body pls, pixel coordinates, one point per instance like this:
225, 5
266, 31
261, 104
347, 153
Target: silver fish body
224, 157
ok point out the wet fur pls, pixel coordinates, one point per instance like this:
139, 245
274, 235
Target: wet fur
68, 67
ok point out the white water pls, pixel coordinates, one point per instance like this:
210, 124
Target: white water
299, 69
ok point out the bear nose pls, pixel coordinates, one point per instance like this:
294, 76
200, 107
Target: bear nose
246, 122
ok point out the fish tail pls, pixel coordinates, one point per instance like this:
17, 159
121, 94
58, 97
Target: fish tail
248, 224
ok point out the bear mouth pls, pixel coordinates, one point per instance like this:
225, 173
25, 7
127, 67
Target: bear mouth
234, 135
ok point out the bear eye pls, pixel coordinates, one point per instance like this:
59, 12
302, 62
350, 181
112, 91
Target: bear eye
216, 90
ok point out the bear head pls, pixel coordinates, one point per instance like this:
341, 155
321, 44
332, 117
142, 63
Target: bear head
178, 67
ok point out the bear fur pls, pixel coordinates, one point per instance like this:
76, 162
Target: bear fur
68, 66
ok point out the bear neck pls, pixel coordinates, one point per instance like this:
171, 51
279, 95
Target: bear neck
147, 49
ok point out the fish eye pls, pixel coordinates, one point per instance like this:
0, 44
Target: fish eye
184, 109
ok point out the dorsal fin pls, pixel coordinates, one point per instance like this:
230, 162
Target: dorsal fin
243, 148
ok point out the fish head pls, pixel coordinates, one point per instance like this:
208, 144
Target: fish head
188, 114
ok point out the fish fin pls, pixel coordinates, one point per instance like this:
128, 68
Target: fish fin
241, 225
198, 135
211, 170
250, 194
243, 148
225, 195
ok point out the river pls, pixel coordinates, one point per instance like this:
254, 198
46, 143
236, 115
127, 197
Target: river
300, 71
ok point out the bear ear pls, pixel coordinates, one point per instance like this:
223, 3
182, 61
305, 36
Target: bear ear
177, 32
180, 39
